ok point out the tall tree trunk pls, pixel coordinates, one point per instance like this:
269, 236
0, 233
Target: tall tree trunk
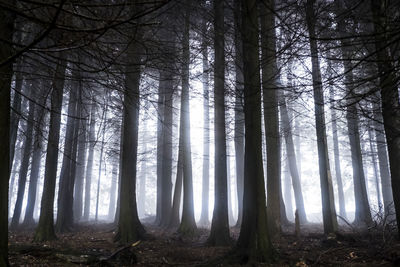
291, 160
270, 75
254, 241
338, 169
45, 228
89, 166
176, 203
375, 167
6, 33
219, 235
26, 155
383, 158
362, 213
129, 227
36, 160
143, 175
390, 100
228, 175
81, 158
65, 203
188, 224
166, 170
16, 110
328, 202
16, 166
205, 189
239, 114
288, 191
160, 135
101, 161
113, 189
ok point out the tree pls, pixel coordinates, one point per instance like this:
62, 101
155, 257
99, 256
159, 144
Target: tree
45, 229
26, 155
89, 166
271, 117
219, 234
6, 71
363, 213
67, 175
129, 227
188, 224
328, 203
338, 169
254, 241
239, 114
291, 159
204, 221
390, 99
36, 160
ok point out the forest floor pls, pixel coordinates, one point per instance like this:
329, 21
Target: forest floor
92, 245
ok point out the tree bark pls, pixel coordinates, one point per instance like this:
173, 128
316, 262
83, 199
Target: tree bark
328, 202
36, 160
269, 77
362, 213
113, 189
89, 166
338, 169
129, 227
291, 160
375, 167
205, 189
67, 177
6, 33
390, 100
383, 158
254, 241
239, 114
188, 224
219, 235
26, 155
81, 157
45, 228
101, 162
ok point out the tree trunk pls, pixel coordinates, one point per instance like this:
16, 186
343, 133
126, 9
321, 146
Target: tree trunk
205, 189
16, 110
288, 191
45, 228
362, 213
81, 158
188, 224
142, 181
36, 160
26, 155
270, 75
219, 235
176, 203
65, 191
228, 175
328, 202
338, 170
113, 189
101, 162
253, 242
291, 160
390, 100
375, 167
129, 227
383, 158
160, 135
89, 166
239, 114
6, 33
